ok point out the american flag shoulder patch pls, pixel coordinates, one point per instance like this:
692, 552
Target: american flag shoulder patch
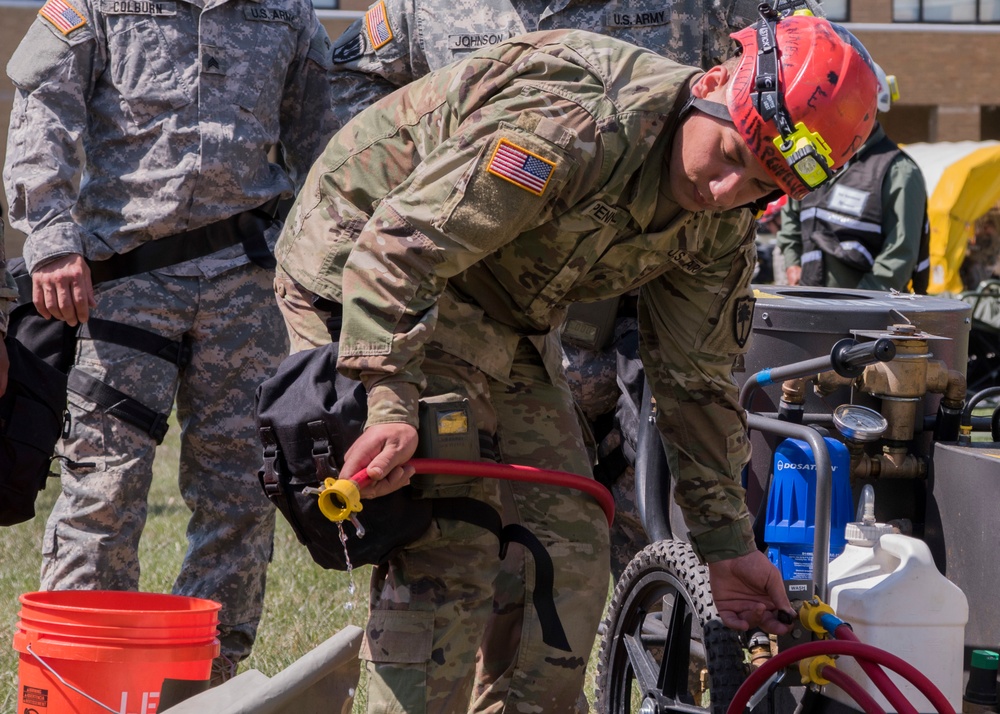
377, 25
64, 16
521, 167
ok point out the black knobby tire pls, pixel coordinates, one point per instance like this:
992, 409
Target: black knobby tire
661, 631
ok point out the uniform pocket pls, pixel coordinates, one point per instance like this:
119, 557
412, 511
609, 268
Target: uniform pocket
398, 637
142, 70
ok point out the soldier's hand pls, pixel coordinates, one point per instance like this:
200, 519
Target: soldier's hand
383, 449
62, 289
748, 592
794, 274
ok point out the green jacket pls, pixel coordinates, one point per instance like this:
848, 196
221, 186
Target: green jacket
904, 200
471, 207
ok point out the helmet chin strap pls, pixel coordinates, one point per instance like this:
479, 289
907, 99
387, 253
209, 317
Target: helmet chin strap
714, 109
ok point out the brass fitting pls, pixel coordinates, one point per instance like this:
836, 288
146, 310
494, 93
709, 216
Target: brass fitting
893, 462
793, 391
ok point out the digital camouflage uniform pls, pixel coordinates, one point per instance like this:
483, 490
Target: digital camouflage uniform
455, 223
177, 109
419, 37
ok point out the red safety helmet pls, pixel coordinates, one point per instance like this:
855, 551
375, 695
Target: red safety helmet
803, 97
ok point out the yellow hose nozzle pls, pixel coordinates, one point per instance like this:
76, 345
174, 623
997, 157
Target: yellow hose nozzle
339, 498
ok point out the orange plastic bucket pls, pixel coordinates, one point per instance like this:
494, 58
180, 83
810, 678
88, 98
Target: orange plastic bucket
94, 651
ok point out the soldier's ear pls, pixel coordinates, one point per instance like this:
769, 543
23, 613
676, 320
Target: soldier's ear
712, 83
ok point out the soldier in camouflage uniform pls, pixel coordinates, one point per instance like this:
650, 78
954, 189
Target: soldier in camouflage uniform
453, 225
419, 37
177, 105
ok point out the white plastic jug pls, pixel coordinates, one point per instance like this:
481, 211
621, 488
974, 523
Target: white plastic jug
889, 590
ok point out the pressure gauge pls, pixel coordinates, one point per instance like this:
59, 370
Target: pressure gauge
859, 423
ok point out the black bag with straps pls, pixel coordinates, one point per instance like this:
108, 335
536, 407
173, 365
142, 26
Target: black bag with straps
308, 415
31, 415
31, 410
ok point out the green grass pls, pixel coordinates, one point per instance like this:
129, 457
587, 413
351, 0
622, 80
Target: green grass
304, 604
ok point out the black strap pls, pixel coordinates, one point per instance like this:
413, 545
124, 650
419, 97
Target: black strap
252, 226
269, 474
174, 351
321, 452
485, 516
767, 99
552, 630
118, 404
469, 510
246, 228
715, 109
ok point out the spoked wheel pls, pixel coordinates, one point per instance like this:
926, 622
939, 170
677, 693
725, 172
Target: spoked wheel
664, 647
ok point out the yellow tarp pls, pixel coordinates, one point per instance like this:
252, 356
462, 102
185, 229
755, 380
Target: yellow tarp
967, 189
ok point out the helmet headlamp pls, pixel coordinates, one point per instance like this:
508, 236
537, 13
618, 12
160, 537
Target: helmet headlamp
807, 155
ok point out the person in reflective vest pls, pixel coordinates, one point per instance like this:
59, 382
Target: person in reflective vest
866, 229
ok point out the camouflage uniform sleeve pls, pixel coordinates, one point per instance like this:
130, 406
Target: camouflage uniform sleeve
789, 237
306, 123
376, 55
725, 18
53, 75
454, 209
692, 327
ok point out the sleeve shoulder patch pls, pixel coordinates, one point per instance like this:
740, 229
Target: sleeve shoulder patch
63, 15
376, 25
521, 167
350, 45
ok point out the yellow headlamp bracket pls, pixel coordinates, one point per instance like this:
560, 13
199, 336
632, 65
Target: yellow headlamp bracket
808, 155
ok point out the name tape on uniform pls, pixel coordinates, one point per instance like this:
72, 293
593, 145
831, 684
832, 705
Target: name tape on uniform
153, 8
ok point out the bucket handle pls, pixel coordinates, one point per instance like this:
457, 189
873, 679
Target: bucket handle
67, 684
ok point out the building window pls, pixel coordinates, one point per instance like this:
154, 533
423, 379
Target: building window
839, 10
989, 122
946, 11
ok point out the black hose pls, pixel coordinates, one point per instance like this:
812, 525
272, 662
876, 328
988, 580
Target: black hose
652, 475
966, 426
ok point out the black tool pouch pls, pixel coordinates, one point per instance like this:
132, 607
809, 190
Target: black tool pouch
308, 415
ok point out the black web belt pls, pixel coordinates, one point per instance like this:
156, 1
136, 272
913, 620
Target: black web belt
246, 228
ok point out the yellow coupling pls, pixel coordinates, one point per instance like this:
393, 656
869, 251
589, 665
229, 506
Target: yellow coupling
810, 613
811, 667
339, 498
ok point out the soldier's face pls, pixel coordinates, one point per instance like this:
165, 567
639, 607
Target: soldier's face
711, 168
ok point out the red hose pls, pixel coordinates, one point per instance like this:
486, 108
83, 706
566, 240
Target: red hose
511, 472
851, 688
878, 676
858, 650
